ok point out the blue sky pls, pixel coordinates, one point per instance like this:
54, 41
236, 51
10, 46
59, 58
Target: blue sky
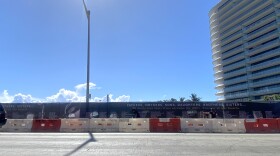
145, 50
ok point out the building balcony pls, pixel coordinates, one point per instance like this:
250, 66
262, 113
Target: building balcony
219, 93
258, 24
232, 52
263, 30
216, 61
242, 13
266, 91
214, 34
277, 5
215, 50
213, 22
236, 88
215, 42
277, 12
216, 58
234, 66
264, 38
230, 31
272, 53
215, 47
265, 73
266, 10
237, 95
235, 73
217, 66
226, 11
218, 74
216, 55
221, 99
215, 39
213, 16
265, 82
233, 59
233, 44
219, 80
236, 80
232, 37
264, 47
265, 64
219, 86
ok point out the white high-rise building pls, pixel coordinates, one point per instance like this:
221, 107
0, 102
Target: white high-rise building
246, 48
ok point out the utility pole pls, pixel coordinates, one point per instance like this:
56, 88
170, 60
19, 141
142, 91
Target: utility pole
108, 97
88, 96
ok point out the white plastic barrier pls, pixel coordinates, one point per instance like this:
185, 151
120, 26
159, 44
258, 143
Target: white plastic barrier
104, 125
196, 125
74, 125
17, 125
228, 126
133, 125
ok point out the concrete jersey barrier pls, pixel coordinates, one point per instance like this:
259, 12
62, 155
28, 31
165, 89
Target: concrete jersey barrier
144, 125
46, 125
104, 125
165, 125
134, 125
17, 125
196, 125
228, 126
262, 126
74, 125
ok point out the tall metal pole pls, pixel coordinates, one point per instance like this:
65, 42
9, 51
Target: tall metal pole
88, 59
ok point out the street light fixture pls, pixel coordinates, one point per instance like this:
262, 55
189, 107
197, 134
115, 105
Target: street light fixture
88, 59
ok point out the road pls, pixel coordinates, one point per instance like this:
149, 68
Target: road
138, 144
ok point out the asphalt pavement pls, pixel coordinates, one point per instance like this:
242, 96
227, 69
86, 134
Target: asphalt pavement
68, 144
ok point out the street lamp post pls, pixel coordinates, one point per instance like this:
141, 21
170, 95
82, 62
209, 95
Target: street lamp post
88, 59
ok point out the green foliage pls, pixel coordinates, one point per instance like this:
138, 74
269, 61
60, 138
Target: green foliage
194, 98
173, 100
182, 99
274, 97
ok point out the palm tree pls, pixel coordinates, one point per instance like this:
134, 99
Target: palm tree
173, 100
182, 99
194, 98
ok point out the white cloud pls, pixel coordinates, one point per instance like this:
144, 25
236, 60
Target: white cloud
99, 99
81, 87
123, 98
5, 97
17, 98
21, 98
62, 95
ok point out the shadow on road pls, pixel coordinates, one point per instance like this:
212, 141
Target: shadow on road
91, 139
